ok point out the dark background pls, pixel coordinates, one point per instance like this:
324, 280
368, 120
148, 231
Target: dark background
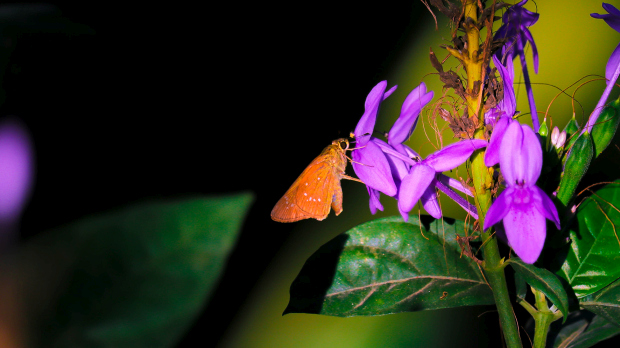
127, 103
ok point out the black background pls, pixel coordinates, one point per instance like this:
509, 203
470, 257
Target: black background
127, 103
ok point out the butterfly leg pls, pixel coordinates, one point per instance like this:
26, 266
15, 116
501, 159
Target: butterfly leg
337, 200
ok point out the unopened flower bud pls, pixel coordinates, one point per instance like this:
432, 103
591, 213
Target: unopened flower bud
561, 139
555, 133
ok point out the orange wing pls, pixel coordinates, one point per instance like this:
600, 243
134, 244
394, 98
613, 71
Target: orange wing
312, 194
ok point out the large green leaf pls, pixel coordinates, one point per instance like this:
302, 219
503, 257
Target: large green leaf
593, 256
605, 302
583, 329
390, 266
135, 277
544, 281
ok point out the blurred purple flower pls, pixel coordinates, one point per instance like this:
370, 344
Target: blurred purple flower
612, 69
16, 177
514, 29
522, 206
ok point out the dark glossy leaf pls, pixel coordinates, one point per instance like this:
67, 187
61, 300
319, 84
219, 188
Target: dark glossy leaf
583, 329
544, 281
593, 257
390, 266
605, 302
135, 277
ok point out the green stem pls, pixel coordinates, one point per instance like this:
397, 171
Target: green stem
493, 263
543, 317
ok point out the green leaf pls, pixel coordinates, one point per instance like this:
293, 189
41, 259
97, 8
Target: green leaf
390, 266
583, 329
593, 256
544, 281
135, 277
605, 302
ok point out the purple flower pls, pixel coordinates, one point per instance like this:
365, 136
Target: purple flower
522, 206
369, 162
516, 21
613, 64
420, 182
380, 177
501, 114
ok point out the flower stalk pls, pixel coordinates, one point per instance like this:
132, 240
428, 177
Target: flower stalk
543, 317
482, 180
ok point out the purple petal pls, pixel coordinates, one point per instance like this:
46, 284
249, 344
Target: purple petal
545, 206
374, 202
509, 104
612, 19
430, 202
470, 208
499, 208
453, 183
16, 169
403, 213
373, 169
406, 122
612, 65
491, 156
525, 227
520, 155
392, 151
413, 186
528, 36
531, 145
454, 155
366, 123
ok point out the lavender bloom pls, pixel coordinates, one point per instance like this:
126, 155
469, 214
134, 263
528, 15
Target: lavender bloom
369, 162
516, 21
399, 156
612, 71
522, 206
420, 182
502, 114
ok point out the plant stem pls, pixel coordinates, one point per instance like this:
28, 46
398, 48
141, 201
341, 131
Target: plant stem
482, 183
544, 317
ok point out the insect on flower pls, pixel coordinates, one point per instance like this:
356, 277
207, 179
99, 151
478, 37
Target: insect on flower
318, 187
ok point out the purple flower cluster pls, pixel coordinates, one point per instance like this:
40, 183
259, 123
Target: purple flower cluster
514, 29
394, 169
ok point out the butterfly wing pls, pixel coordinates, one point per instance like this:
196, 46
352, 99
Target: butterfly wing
311, 194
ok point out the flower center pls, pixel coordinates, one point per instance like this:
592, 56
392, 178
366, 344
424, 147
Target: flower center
521, 195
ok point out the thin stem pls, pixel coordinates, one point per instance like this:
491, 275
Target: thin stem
528, 88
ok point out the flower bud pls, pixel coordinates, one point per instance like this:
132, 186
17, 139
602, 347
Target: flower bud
555, 133
605, 127
575, 167
561, 140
